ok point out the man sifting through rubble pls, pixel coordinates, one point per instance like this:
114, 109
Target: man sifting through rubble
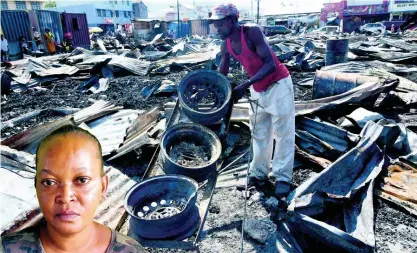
271, 85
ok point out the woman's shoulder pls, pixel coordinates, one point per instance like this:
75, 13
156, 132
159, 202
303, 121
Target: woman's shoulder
125, 244
27, 239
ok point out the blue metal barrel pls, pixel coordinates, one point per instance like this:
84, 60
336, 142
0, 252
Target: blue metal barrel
337, 51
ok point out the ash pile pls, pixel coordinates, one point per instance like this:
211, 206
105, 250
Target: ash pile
355, 176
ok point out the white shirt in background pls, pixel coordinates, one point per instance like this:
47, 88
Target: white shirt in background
4, 45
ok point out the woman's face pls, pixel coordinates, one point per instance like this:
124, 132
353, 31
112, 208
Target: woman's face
69, 183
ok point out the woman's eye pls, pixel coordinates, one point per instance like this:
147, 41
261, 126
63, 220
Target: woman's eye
83, 180
48, 182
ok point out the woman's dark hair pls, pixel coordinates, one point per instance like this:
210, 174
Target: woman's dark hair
68, 129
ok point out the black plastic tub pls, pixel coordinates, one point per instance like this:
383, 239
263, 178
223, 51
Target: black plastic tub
148, 201
199, 85
199, 135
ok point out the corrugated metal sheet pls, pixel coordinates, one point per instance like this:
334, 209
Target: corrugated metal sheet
135, 66
15, 24
200, 27
111, 210
213, 29
34, 23
14, 50
51, 20
184, 29
111, 130
80, 36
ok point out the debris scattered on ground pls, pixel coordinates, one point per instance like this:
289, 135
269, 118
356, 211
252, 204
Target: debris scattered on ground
189, 154
260, 230
365, 124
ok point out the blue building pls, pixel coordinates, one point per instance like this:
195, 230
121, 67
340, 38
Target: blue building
140, 10
103, 14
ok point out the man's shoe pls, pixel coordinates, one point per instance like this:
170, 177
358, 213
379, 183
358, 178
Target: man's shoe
282, 189
252, 181
256, 181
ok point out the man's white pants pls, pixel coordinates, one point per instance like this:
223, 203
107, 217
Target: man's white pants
276, 119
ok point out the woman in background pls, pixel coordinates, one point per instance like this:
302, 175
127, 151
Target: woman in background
50, 41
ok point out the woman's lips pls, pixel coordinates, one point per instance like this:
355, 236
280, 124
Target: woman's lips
67, 215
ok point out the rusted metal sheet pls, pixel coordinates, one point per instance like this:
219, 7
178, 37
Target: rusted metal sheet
401, 183
76, 23
111, 130
406, 206
15, 24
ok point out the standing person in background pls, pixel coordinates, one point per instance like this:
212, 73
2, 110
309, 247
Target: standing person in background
393, 28
50, 41
37, 39
4, 48
171, 34
67, 42
24, 47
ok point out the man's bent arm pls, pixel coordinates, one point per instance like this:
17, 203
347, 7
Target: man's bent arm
225, 60
264, 52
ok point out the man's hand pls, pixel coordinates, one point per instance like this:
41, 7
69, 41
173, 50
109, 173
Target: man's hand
239, 91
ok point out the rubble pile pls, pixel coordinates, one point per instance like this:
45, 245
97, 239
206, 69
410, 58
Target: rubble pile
189, 154
308, 52
356, 140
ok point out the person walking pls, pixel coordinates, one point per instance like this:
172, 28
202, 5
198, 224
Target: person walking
50, 41
271, 86
4, 48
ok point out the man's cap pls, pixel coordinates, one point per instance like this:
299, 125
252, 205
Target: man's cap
222, 11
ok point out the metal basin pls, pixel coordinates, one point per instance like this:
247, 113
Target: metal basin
205, 96
197, 135
163, 207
